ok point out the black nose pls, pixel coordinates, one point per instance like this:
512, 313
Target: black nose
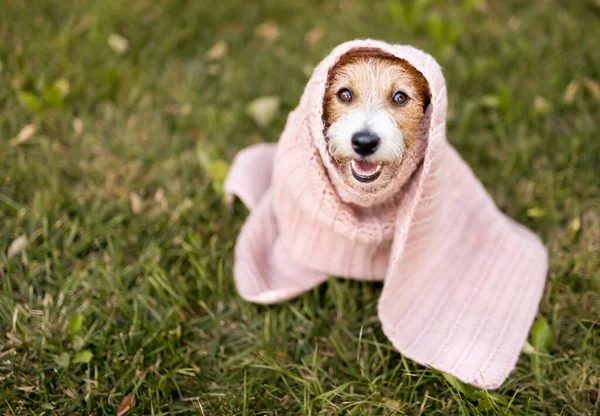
365, 143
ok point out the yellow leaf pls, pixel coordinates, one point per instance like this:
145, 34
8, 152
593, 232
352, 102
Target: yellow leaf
571, 92
62, 86
268, 31
118, 43
536, 212
217, 52
575, 225
25, 134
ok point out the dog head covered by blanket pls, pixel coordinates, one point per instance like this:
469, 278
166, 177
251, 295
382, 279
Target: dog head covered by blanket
462, 282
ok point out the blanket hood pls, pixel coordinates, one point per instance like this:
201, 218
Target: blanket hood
312, 101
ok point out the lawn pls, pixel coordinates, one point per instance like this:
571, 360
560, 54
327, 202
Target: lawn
117, 123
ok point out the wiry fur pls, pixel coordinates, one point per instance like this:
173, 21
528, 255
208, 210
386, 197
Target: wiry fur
373, 80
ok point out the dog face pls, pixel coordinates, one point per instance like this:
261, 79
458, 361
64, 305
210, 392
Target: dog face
373, 110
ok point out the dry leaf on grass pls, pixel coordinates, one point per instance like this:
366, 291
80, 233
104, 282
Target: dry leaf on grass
26, 389
263, 109
541, 105
62, 86
16, 246
25, 134
571, 92
593, 87
160, 200
528, 349
314, 36
159, 195
126, 404
218, 51
77, 126
118, 43
135, 202
268, 31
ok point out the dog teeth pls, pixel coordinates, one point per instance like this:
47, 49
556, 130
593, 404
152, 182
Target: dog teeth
369, 170
363, 175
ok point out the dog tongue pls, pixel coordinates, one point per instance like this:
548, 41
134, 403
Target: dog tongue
365, 168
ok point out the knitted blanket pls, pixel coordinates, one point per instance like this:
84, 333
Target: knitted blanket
462, 282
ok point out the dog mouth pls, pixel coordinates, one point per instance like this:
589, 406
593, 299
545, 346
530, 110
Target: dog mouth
364, 171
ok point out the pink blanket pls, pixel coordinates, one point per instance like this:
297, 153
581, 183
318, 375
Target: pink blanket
462, 282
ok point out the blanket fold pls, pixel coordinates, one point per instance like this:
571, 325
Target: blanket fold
462, 282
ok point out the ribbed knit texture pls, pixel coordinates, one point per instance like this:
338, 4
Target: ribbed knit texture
462, 282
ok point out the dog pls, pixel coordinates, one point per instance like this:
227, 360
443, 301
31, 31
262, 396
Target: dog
373, 109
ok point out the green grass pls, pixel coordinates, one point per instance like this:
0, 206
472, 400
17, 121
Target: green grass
160, 315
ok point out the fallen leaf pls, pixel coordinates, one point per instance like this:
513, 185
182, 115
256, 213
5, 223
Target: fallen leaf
62, 360
528, 349
489, 101
268, 31
394, 404
541, 105
70, 393
594, 88
75, 323
26, 389
118, 43
16, 246
159, 195
62, 86
25, 134
217, 52
135, 202
541, 335
314, 36
536, 212
159, 198
215, 168
263, 109
77, 126
571, 92
83, 357
127, 403
575, 225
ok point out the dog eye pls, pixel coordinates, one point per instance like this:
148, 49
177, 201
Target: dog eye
344, 95
399, 98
